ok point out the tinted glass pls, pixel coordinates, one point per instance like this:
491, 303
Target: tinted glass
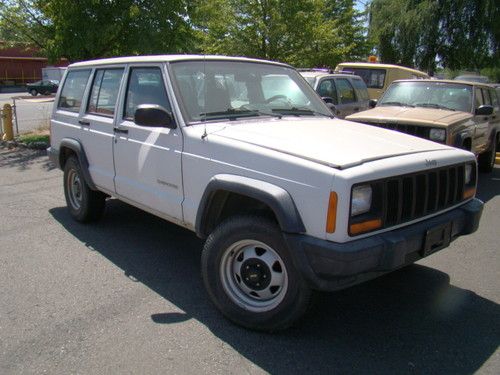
214, 90
327, 88
479, 98
145, 86
105, 91
373, 78
494, 99
346, 91
486, 96
73, 90
433, 94
360, 88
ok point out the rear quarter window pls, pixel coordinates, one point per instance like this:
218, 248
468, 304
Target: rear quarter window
73, 89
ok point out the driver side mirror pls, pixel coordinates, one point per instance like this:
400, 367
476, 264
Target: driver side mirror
154, 115
484, 110
372, 103
327, 99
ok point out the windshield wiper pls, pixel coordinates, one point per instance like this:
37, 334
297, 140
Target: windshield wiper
434, 105
232, 114
300, 112
398, 104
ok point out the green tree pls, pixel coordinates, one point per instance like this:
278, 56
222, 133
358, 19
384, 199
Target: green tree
302, 32
88, 29
425, 33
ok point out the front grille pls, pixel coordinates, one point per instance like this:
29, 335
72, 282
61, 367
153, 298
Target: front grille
415, 130
401, 199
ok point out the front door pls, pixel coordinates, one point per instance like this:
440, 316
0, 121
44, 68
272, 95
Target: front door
347, 98
148, 159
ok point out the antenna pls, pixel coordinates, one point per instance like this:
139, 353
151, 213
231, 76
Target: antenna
204, 118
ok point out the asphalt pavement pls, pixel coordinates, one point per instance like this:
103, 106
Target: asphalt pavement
125, 296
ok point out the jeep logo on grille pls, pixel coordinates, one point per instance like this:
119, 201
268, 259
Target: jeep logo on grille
431, 163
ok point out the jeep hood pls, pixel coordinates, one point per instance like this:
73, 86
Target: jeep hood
410, 115
332, 142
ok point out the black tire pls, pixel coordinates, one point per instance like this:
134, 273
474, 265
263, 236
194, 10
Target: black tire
486, 161
33, 92
84, 204
227, 290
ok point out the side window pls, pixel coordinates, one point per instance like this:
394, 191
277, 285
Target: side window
73, 89
327, 88
346, 91
486, 96
145, 86
104, 91
360, 88
479, 98
494, 99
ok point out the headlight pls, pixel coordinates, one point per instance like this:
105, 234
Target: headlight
437, 135
361, 199
468, 173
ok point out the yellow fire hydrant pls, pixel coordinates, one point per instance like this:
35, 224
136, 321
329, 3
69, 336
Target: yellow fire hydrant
7, 123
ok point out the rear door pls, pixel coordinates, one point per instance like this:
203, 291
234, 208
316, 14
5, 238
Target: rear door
98, 122
148, 159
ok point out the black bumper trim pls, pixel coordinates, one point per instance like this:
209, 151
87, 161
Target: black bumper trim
331, 266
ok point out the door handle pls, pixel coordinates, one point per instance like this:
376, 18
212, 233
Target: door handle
84, 123
119, 129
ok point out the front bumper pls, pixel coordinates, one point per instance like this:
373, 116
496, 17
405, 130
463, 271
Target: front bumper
331, 266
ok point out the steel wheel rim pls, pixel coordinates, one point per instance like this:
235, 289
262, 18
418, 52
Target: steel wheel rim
74, 186
253, 275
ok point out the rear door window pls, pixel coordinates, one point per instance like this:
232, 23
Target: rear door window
104, 91
346, 91
360, 88
73, 90
145, 86
373, 78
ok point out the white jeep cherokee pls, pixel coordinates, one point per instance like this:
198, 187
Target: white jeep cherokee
244, 153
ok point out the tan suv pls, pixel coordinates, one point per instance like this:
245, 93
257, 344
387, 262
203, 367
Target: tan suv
457, 113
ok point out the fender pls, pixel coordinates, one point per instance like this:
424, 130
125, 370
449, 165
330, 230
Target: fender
75, 146
460, 137
277, 198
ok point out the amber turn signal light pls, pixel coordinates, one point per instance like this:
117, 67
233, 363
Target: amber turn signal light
365, 226
331, 216
469, 193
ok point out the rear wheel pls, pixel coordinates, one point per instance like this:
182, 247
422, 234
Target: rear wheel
84, 204
250, 277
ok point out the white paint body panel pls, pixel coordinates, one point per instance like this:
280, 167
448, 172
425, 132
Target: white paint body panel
166, 171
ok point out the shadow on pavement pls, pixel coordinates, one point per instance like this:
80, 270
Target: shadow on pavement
410, 321
488, 185
24, 158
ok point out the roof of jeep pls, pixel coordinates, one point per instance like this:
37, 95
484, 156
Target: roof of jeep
317, 74
167, 58
468, 83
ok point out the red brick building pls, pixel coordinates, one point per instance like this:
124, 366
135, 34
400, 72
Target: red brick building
20, 64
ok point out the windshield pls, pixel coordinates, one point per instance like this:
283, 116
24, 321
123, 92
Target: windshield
449, 96
213, 90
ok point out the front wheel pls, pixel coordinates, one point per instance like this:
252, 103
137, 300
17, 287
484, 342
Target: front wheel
250, 277
33, 92
486, 161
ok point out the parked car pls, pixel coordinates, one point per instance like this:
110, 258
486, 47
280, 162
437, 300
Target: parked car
460, 114
42, 87
244, 153
378, 76
346, 92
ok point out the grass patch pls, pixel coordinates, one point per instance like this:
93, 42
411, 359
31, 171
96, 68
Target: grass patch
33, 138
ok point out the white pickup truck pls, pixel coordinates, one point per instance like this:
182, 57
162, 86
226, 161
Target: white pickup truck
245, 153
